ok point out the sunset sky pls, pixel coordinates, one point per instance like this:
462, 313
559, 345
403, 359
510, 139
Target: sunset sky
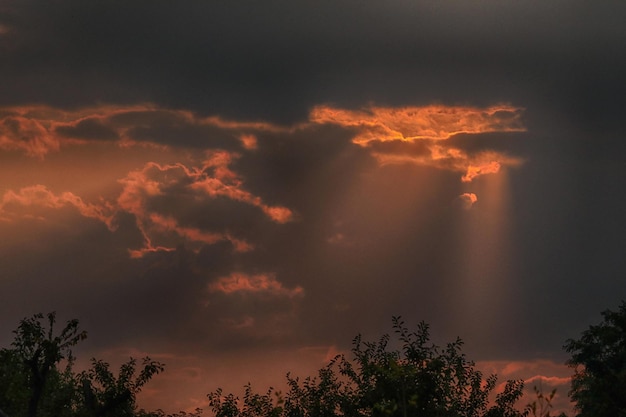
238, 188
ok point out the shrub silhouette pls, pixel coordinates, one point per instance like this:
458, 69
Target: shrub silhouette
418, 379
599, 362
32, 385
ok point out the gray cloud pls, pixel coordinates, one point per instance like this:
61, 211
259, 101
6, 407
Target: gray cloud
89, 129
275, 60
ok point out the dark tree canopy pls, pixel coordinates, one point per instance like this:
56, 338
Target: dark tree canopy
599, 361
34, 384
418, 379
395, 376
30, 382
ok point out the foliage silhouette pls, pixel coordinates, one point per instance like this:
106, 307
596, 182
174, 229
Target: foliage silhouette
599, 361
30, 378
419, 379
105, 395
33, 385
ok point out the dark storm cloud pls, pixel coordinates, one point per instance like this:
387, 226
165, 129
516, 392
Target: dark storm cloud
174, 128
274, 60
89, 129
187, 135
38, 130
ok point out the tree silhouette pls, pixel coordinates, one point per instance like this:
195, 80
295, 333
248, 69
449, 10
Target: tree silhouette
32, 362
103, 394
419, 379
32, 385
599, 361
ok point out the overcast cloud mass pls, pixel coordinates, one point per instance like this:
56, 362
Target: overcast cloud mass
239, 188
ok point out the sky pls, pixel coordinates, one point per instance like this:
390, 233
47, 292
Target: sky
237, 189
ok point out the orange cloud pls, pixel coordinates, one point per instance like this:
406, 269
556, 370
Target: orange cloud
453, 159
211, 180
263, 283
226, 183
432, 125
468, 200
22, 133
249, 141
39, 195
278, 214
434, 122
38, 130
474, 171
154, 195
164, 223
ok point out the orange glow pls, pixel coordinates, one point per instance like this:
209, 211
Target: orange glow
453, 159
191, 182
542, 373
197, 185
438, 152
474, 171
278, 214
249, 141
430, 124
226, 183
39, 195
240, 282
26, 135
140, 253
165, 224
38, 130
468, 200
413, 123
